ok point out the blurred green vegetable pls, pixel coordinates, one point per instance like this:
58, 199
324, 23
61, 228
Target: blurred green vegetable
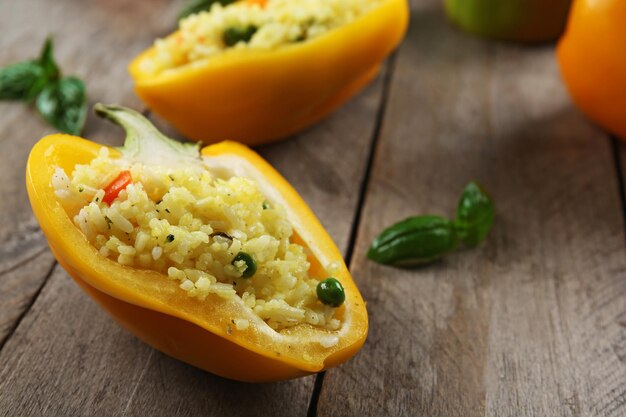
510, 20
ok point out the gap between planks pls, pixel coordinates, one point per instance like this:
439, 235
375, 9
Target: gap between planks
4, 341
619, 171
363, 186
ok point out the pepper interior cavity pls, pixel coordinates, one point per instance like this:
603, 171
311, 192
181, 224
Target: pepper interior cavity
215, 235
251, 25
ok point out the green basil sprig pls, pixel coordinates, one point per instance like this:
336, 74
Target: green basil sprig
63, 104
197, 6
424, 239
62, 101
474, 214
21, 81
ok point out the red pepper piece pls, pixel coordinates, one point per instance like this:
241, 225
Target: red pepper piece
112, 190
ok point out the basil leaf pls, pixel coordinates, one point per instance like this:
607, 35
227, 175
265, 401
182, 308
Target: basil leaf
25, 80
475, 214
64, 105
413, 241
20, 81
61, 101
423, 239
197, 6
47, 62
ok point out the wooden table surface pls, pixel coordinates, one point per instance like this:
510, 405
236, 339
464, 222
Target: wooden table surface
532, 323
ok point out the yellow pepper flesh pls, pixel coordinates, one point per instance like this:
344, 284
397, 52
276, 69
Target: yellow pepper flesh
256, 96
158, 312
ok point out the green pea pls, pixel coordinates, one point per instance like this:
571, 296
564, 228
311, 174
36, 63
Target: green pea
250, 264
331, 292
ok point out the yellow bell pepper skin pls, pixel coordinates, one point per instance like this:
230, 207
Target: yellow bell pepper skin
161, 314
257, 96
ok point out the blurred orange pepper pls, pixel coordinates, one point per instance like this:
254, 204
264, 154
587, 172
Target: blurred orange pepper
259, 96
592, 56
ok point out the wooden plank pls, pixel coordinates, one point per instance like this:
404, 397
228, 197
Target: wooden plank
24, 257
78, 360
94, 42
19, 284
67, 358
531, 323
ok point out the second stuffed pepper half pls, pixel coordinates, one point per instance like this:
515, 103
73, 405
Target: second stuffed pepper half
258, 71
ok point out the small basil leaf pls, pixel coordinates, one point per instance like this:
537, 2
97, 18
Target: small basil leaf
64, 105
475, 214
47, 62
416, 240
197, 6
20, 81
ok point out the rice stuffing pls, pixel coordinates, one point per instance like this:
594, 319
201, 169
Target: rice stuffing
246, 25
191, 226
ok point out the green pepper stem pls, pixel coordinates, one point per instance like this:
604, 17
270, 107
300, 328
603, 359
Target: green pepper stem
144, 143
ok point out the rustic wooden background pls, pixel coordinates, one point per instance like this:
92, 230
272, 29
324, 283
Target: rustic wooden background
533, 323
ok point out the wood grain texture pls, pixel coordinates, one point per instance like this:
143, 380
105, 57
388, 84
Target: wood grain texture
69, 353
91, 40
532, 322
67, 358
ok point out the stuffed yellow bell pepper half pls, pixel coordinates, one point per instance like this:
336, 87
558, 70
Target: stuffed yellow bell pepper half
209, 256
259, 71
